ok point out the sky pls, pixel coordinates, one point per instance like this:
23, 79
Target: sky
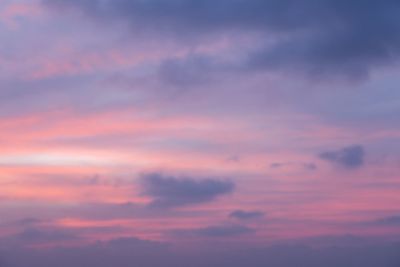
198, 133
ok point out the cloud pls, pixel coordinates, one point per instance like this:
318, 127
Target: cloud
349, 157
107, 211
23, 222
125, 252
388, 221
189, 71
223, 231
168, 191
346, 240
317, 37
41, 236
216, 231
128, 243
130, 251
310, 166
246, 215
305, 165
28, 221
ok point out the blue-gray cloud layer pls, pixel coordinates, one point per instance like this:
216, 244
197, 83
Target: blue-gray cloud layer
136, 252
326, 36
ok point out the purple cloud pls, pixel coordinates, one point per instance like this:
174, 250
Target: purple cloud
325, 37
169, 191
349, 157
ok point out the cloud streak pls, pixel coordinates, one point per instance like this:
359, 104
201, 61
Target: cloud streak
216, 231
246, 215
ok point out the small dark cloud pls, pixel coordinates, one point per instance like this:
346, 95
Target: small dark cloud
233, 158
276, 165
348, 157
246, 215
169, 191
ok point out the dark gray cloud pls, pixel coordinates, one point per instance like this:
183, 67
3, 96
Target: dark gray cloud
169, 191
349, 157
246, 215
317, 37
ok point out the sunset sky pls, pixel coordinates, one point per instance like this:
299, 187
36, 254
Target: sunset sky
199, 133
